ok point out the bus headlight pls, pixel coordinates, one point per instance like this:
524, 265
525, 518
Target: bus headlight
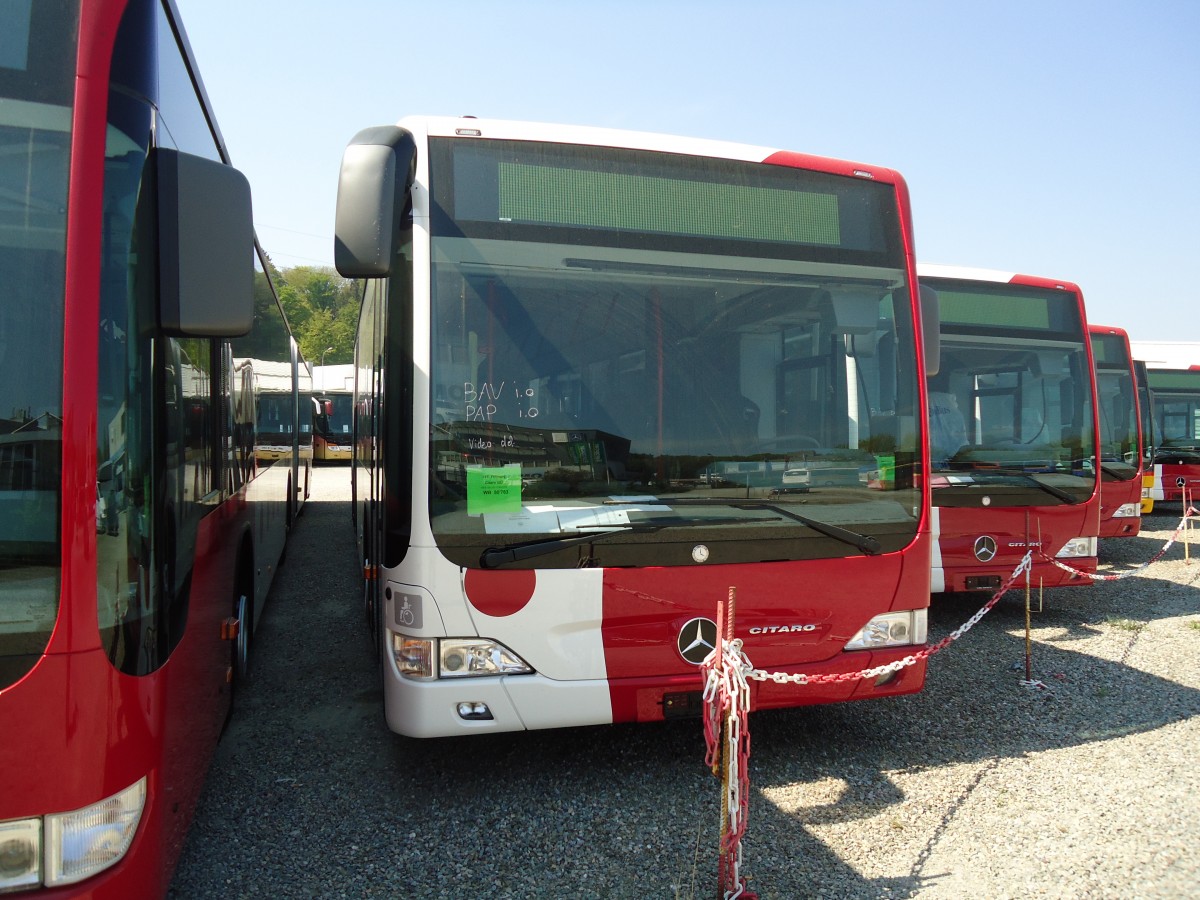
1126, 510
894, 629
81, 843
463, 658
20, 854
1078, 547
413, 656
454, 657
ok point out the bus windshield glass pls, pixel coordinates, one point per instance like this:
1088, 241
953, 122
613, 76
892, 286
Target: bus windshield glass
680, 353
1116, 400
335, 415
1011, 407
1176, 409
1146, 409
36, 56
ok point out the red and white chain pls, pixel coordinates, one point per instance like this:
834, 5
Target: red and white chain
1096, 576
1023, 566
727, 700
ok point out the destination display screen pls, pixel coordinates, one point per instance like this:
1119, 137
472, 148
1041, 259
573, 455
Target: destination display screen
563, 196
1108, 350
1006, 307
485, 188
1177, 380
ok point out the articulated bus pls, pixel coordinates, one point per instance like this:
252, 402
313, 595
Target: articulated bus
1120, 432
139, 531
333, 413
562, 330
1173, 375
1013, 430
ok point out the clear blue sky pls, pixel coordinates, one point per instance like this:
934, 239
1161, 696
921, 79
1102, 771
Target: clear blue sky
1051, 138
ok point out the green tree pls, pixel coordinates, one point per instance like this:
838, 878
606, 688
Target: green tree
322, 309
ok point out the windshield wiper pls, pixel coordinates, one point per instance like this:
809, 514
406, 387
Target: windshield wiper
1050, 489
493, 557
863, 542
1112, 471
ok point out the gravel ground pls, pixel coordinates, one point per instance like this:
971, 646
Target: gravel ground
977, 787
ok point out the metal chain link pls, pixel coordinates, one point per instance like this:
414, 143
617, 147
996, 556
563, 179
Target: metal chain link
1095, 576
1025, 565
726, 696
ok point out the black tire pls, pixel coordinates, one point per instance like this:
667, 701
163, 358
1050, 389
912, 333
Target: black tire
243, 611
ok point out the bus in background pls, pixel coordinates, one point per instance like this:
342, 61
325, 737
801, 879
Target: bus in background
562, 330
282, 417
1173, 375
1120, 432
1146, 422
1013, 430
333, 413
138, 534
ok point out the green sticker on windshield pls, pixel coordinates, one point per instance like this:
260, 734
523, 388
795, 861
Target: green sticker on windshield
493, 490
887, 466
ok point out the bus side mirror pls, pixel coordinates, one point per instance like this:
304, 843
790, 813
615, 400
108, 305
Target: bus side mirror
205, 245
377, 174
931, 330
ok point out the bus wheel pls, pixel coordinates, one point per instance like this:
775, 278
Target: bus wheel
291, 506
244, 612
371, 606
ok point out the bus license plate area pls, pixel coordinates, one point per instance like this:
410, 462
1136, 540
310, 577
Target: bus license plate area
684, 705
983, 582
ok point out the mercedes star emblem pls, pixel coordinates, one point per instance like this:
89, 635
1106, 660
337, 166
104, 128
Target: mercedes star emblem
985, 548
697, 638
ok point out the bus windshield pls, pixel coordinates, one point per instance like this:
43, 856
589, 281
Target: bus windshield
1146, 409
1011, 406
1176, 409
1116, 399
335, 414
670, 345
35, 119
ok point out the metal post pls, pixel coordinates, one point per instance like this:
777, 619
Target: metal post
725, 614
1187, 527
1028, 638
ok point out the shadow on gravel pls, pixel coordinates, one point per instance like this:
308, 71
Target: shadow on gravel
974, 710
310, 795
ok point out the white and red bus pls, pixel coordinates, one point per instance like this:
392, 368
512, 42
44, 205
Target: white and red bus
1173, 375
1013, 430
563, 329
139, 529
1119, 408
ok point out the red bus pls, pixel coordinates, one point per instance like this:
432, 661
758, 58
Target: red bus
1013, 430
564, 333
1173, 376
140, 527
1121, 445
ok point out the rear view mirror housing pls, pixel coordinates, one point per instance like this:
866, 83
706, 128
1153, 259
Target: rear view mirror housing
206, 246
378, 168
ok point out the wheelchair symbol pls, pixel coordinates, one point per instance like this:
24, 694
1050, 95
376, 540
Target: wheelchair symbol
406, 614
